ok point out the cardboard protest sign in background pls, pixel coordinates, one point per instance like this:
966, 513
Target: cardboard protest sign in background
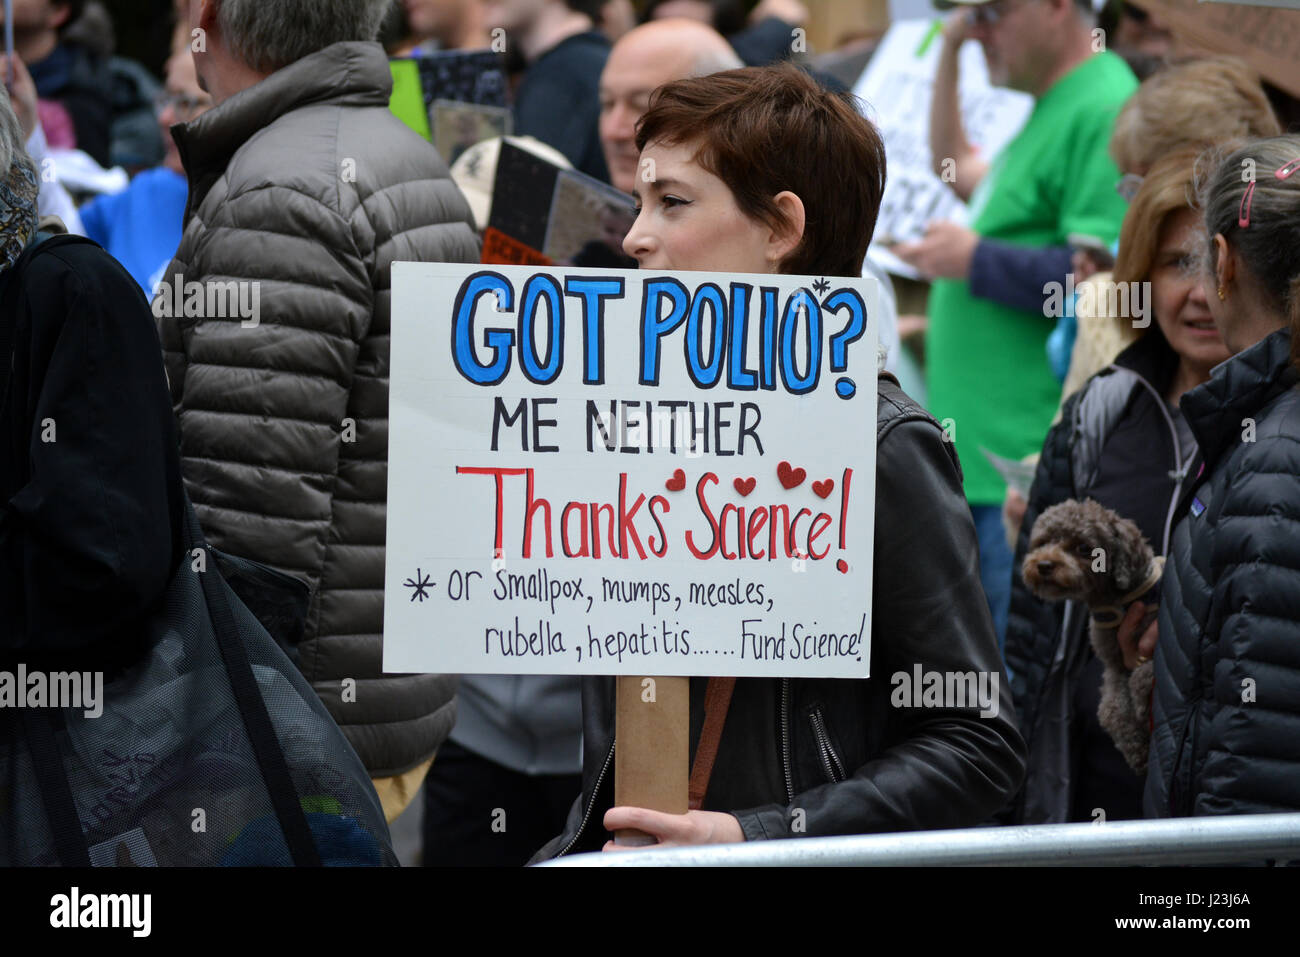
453, 98
896, 88
629, 472
544, 214
1267, 36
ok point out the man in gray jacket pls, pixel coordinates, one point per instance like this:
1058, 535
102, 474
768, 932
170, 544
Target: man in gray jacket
274, 318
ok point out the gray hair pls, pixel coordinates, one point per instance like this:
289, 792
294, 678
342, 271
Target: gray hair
270, 34
1269, 242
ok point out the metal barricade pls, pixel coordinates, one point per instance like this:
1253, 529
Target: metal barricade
1238, 839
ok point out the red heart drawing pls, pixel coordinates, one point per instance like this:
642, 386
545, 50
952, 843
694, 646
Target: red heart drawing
677, 482
744, 486
790, 477
823, 488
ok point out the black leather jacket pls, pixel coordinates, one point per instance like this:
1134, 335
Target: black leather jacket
818, 756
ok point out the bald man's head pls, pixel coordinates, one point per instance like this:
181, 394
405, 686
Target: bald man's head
641, 61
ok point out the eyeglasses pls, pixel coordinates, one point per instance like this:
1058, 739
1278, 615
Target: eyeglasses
1243, 211
988, 14
1128, 186
186, 106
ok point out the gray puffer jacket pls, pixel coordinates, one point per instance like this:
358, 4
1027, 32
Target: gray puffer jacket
306, 185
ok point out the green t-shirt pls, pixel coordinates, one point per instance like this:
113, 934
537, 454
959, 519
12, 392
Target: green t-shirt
986, 365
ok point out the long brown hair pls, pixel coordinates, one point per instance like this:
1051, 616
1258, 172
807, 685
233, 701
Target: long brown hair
1166, 190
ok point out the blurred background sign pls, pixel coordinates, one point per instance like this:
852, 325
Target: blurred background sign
1267, 36
896, 89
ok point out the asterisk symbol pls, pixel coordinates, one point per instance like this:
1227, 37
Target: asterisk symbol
420, 582
820, 286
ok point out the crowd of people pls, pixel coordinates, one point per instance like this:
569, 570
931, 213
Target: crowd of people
271, 158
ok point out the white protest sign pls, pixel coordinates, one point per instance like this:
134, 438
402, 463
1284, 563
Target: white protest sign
627, 472
896, 87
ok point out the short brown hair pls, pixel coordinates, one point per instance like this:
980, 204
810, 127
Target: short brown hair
1198, 103
762, 130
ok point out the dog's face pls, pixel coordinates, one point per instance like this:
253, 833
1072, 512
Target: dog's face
1083, 551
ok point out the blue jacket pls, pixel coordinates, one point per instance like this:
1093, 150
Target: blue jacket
140, 226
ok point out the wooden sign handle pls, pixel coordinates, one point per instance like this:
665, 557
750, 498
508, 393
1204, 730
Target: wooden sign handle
651, 762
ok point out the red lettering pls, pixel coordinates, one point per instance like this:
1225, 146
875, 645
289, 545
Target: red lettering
722, 532
790, 546
819, 525
662, 549
771, 534
569, 509
625, 523
706, 478
596, 510
498, 550
757, 519
533, 506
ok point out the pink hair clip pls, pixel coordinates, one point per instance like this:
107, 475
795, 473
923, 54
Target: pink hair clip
1282, 172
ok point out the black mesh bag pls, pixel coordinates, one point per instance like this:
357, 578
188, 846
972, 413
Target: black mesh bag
211, 750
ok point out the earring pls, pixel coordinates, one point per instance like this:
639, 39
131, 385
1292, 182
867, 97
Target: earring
1222, 294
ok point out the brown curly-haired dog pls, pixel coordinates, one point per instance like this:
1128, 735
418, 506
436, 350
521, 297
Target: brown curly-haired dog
1085, 552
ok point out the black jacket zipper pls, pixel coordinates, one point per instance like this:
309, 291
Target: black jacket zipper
831, 764
586, 815
785, 740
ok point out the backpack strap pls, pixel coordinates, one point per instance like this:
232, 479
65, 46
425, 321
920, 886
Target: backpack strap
252, 708
42, 725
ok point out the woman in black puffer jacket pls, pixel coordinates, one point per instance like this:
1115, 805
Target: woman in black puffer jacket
1226, 736
1122, 441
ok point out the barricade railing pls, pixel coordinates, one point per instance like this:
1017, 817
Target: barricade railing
1237, 839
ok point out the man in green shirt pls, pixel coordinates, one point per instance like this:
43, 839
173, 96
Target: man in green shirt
987, 373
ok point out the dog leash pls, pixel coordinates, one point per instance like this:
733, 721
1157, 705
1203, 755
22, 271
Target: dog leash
1114, 614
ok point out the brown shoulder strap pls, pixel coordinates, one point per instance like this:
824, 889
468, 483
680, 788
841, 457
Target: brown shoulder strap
717, 699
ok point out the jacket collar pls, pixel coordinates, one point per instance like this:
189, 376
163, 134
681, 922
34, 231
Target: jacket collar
347, 74
1150, 357
1237, 389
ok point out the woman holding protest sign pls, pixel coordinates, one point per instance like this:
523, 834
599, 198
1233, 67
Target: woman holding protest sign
745, 172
